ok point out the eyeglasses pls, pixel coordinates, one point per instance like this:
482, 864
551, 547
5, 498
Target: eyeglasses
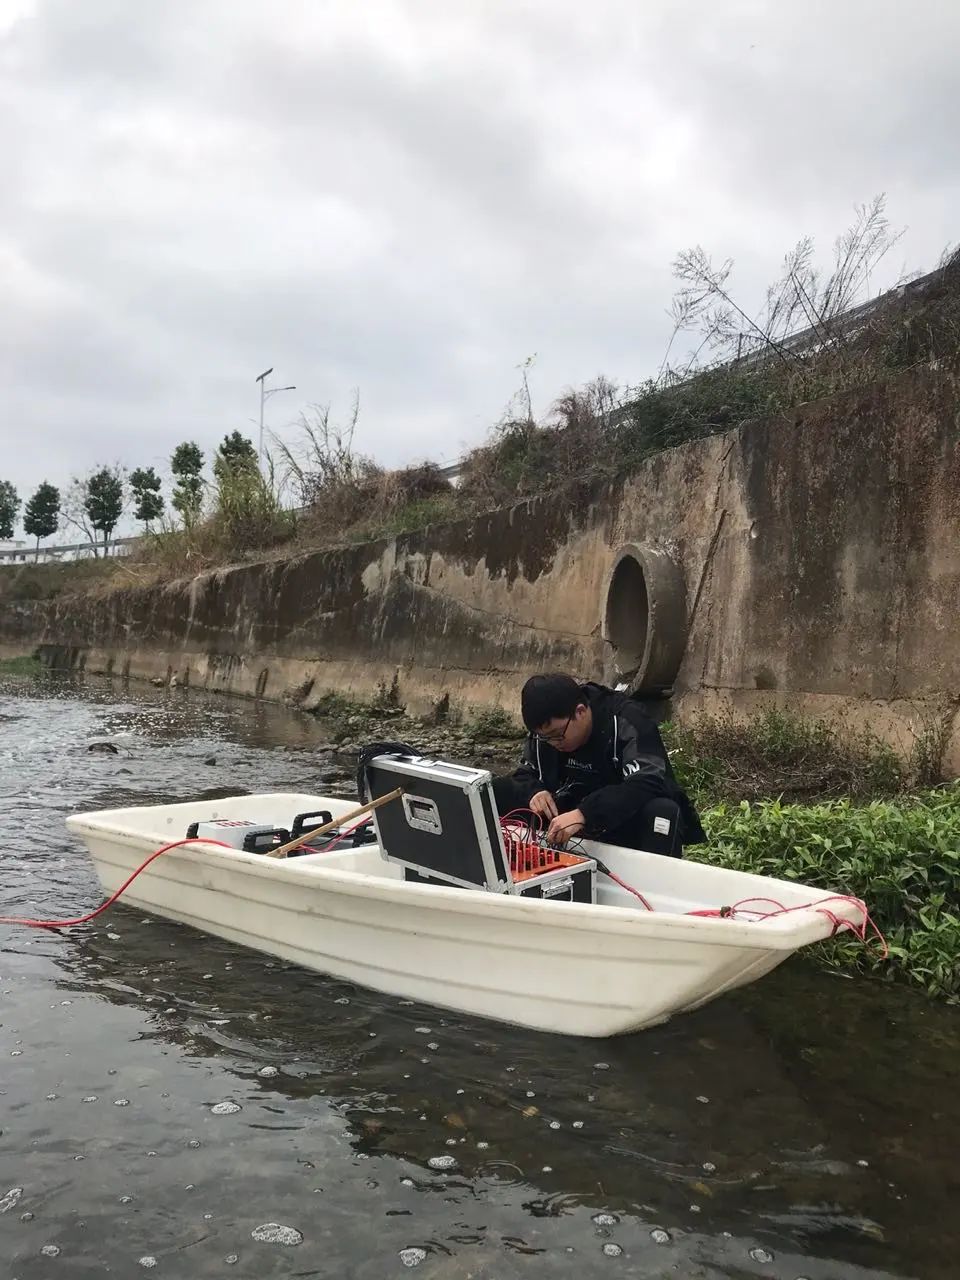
551, 739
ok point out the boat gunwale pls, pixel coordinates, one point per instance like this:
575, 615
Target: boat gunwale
781, 933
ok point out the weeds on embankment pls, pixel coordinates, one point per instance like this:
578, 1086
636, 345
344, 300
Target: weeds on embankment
809, 341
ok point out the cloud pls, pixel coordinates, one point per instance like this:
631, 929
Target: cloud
411, 199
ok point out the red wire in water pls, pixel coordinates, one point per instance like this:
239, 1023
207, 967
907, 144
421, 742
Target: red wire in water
65, 924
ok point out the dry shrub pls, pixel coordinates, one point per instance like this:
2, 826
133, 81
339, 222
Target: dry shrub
345, 495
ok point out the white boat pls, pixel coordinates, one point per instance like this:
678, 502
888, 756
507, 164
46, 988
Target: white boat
591, 969
580, 969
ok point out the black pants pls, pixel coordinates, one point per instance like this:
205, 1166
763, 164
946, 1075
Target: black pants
657, 828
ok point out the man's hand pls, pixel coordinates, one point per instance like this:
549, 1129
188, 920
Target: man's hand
544, 805
565, 826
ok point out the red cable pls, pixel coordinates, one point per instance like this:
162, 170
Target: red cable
92, 915
838, 922
629, 888
65, 924
336, 839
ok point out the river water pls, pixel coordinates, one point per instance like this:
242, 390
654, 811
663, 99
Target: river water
165, 1096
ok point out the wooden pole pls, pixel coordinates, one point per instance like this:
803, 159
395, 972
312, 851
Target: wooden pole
337, 822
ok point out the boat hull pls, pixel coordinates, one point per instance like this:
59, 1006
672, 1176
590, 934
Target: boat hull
584, 970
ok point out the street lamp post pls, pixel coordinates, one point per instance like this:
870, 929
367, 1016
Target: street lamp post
263, 396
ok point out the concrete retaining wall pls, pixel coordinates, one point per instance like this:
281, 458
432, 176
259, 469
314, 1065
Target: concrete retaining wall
811, 561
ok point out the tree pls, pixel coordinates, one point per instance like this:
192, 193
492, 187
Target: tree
186, 464
9, 506
104, 501
41, 516
145, 486
235, 455
74, 512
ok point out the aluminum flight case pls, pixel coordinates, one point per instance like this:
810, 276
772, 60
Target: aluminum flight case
444, 827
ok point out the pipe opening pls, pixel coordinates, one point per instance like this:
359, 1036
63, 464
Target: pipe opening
628, 615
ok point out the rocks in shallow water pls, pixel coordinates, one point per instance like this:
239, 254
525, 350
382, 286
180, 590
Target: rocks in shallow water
10, 1199
276, 1233
224, 1108
761, 1255
211, 760
612, 1250
442, 1163
104, 748
659, 1236
412, 1257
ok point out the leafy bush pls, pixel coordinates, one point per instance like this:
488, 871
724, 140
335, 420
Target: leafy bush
902, 858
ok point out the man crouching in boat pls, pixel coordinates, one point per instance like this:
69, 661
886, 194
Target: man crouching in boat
594, 764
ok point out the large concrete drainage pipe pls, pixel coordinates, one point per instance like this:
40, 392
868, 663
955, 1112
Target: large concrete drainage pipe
644, 619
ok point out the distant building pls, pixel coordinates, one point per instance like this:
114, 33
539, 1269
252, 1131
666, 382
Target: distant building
14, 552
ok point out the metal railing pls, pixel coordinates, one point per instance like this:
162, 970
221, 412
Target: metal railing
71, 551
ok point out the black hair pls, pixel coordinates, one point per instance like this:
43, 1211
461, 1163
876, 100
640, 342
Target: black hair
550, 697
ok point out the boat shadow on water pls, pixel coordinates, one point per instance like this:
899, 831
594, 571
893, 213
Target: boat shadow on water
748, 1127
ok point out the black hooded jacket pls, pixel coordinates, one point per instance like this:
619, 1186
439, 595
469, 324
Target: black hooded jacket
621, 766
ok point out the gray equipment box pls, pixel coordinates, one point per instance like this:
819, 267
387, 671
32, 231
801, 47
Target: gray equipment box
446, 827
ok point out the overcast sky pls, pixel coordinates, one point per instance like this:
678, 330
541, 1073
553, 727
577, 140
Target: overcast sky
410, 198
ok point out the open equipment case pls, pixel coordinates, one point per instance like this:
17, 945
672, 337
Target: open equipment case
445, 829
